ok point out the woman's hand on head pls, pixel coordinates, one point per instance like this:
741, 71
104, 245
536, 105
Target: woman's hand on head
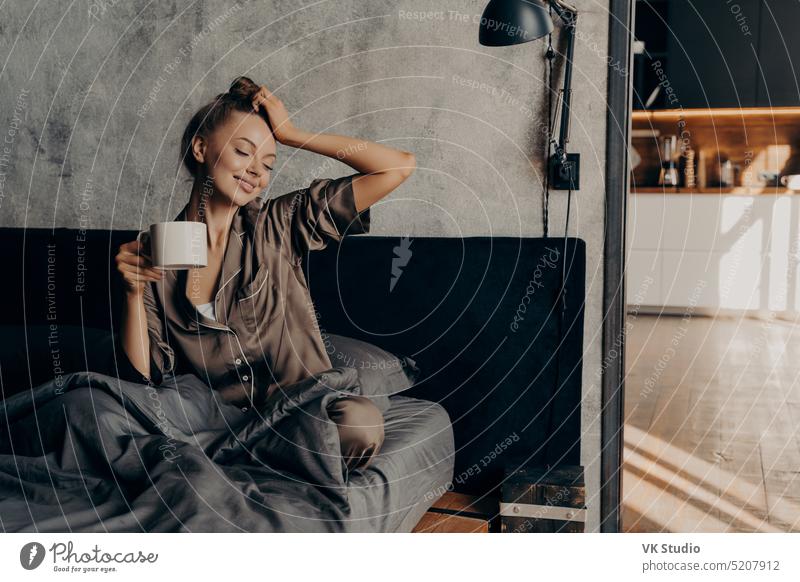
282, 128
136, 267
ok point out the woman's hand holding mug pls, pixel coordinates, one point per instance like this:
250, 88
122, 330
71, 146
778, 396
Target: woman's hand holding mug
136, 267
170, 246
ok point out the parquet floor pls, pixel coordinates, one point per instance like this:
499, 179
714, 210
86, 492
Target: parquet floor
712, 417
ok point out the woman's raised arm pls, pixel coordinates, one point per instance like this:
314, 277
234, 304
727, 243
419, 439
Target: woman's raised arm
383, 168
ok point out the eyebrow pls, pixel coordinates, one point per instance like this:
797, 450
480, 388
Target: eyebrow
255, 146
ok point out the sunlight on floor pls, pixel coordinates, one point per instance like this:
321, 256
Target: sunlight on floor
669, 489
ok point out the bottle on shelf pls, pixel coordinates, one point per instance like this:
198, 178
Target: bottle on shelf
687, 167
668, 176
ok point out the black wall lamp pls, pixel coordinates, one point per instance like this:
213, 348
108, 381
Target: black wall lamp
509, 22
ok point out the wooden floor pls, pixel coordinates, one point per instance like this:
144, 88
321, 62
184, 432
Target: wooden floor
712, 410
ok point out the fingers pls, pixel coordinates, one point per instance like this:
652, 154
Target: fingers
134, 266
151, 273
134, 247
137, 274
259, 100
134, 259
263, 96
259, 97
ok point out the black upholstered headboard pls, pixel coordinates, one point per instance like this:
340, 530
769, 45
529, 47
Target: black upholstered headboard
478, 314
480, 317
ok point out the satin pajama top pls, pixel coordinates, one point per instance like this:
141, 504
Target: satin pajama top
266, 333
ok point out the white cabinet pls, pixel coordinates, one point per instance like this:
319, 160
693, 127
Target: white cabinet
643, 272
713, 251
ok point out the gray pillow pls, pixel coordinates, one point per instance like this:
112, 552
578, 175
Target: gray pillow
380, 373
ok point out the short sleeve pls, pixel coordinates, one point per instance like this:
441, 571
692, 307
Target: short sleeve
162, 356
324, 211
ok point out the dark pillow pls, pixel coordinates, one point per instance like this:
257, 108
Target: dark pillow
380, 373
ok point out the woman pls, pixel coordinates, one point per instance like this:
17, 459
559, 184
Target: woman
245, 323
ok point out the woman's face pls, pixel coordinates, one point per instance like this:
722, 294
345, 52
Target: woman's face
238, 156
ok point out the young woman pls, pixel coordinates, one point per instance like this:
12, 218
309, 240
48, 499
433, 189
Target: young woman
246, 323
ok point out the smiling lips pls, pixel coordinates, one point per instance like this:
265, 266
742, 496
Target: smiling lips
246, 186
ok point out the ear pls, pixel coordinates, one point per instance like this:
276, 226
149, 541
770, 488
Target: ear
199, 149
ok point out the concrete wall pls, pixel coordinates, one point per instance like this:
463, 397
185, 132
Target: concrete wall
95, 98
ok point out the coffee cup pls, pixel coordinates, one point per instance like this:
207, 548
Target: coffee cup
177, 245
791, 181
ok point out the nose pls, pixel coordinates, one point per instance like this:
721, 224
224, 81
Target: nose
252, 170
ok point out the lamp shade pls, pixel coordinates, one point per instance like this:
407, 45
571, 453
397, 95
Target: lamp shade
507, 22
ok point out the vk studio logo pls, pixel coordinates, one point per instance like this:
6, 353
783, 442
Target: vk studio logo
31, 555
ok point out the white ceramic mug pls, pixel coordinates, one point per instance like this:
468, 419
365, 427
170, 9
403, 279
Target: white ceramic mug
791, 181
177, 245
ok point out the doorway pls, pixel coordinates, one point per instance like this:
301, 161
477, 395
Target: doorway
712, 404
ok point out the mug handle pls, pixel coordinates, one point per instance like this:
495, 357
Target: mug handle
139, 236
139, 240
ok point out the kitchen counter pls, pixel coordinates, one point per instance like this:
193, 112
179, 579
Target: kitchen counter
714, 251
757, 140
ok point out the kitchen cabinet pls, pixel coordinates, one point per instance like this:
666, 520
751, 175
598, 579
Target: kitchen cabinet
779, 54
713, 252
712, 62
718, 53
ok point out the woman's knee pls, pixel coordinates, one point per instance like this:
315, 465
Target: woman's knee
361, 430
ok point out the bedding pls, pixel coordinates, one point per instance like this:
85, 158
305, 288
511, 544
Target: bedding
93, 453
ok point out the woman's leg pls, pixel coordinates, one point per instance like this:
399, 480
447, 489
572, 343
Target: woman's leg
360, 425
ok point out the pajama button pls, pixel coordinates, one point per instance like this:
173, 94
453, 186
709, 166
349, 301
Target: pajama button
238, 361
245, 378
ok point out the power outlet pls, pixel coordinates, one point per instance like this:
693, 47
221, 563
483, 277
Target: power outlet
565, 175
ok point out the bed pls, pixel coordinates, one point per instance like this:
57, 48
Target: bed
93, 453
501, 362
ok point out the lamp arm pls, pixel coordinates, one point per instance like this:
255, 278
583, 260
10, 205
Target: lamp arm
569, 16
565, 11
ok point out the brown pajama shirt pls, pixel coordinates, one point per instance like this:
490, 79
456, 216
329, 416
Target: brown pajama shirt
266, 335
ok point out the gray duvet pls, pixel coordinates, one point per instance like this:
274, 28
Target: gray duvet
99, 454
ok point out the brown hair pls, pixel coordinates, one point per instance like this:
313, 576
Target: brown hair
238, 98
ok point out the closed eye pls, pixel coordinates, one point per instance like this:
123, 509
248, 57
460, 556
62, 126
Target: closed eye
241, 153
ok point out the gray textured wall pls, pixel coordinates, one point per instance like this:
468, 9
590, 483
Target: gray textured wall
96, 93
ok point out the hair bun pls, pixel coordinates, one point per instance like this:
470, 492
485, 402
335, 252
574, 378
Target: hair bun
243, 88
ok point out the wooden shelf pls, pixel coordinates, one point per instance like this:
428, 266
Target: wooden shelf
757, 139
765, 115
